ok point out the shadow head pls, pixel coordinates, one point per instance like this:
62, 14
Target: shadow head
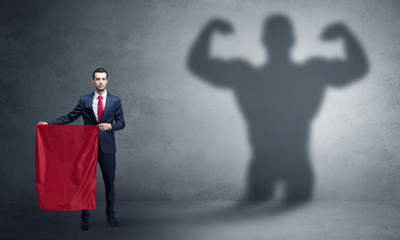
278, 34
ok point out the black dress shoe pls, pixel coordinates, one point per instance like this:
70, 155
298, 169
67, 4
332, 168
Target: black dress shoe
112, 222
85, 224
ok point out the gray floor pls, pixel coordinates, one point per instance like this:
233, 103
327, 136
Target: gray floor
209, 220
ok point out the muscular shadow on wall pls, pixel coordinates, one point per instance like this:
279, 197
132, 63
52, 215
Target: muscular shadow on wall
279, 100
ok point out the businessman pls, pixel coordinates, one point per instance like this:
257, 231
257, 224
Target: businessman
105, 111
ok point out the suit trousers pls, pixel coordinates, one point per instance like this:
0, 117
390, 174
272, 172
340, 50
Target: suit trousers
107, 165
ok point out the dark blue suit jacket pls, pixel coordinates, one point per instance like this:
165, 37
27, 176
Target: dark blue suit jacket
113, 114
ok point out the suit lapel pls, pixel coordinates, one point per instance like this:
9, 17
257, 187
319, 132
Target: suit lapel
91, 96
108, 104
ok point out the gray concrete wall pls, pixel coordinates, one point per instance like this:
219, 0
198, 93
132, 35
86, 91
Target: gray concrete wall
184, 137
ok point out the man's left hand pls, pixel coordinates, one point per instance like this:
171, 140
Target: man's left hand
104, 126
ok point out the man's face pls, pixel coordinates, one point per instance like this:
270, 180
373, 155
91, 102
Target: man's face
100, 81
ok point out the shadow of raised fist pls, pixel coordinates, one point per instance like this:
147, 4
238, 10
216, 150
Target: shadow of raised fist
221, 26
335, 31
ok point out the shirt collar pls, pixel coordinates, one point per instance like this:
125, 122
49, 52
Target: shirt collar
96, 95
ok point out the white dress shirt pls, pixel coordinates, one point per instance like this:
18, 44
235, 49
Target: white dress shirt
96, 102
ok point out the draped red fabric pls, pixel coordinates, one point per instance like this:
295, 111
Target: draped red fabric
66, 160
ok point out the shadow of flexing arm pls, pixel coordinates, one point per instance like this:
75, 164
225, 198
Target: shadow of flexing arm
278, 100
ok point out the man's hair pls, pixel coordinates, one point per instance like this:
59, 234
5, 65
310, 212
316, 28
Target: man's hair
100, 70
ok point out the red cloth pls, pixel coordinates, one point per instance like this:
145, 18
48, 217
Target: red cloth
66, 159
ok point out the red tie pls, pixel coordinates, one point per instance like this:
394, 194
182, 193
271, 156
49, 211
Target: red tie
100, 109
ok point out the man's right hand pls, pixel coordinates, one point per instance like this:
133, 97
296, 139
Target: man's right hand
42, 123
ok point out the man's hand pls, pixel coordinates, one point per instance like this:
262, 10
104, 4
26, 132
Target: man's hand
104, 126
42, 123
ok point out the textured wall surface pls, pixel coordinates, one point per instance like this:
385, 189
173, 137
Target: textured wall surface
185, 138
